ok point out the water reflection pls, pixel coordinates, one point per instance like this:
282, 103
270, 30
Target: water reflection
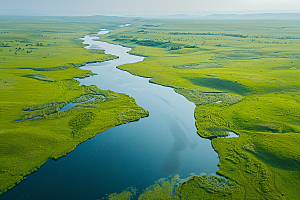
173, 160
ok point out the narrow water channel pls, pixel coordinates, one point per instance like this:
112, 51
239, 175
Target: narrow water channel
134, 154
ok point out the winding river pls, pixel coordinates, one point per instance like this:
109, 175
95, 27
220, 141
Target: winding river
134, 154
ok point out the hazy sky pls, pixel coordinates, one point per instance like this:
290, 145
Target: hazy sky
151, 5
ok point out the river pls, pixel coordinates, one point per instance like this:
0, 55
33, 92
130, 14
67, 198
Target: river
134, 154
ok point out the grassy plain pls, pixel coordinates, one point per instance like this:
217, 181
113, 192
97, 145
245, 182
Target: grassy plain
38, 59
243, 75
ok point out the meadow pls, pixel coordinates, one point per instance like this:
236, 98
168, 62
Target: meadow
39, 58
243, 75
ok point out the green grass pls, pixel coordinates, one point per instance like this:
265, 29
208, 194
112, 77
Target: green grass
221, 85
244, 77
39, 59
42, 110
51, 68
198, 66
195, 187
201, 98
40, 77
81, 121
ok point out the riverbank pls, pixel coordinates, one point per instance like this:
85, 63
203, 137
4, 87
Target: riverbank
51, 54
255, 71
127, 152
257, 76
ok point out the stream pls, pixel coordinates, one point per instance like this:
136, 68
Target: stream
134, 154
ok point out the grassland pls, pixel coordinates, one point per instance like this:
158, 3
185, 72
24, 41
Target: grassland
244, 77
38, 59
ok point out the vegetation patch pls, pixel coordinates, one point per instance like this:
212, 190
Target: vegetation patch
208, 187
77, 65
271, 156
223, 34
43, 112
81, 121
127, 194
173, 45
52, 68
217, 131
151, 43
40, 77
44, 106
201, 98
250, 55
129, 115
274, 127
221, 85
181, 50
107, 94
198, 66
83, 98
162, 189
88, 74
210, 121
195, 187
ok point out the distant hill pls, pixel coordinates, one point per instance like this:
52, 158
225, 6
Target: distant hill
153, 14
254, 16
200, 15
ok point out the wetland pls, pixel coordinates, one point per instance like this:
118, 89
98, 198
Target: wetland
162, 145
239, 77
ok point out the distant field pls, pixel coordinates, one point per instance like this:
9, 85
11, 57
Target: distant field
244, 77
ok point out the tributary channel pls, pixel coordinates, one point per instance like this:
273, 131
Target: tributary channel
135, 154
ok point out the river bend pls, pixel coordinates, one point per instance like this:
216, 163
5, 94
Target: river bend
134, 154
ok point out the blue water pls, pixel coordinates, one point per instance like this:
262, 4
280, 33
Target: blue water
18, 120
71, 104
134, 154
64, 108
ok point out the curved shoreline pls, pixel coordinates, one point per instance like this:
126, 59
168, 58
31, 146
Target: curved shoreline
173, 135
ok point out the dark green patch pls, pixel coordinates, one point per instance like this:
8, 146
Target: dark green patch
132, 114
88, 74
52, 68
208, 187
150, 43
43, 109
278, 161
43, 106
83, 98
216, 131
221, 84
274, 127
222, 34
108, 94
198, 66
81, 121
172, 45
40, 77
201, 98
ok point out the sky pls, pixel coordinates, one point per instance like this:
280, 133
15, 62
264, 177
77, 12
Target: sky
218, 6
